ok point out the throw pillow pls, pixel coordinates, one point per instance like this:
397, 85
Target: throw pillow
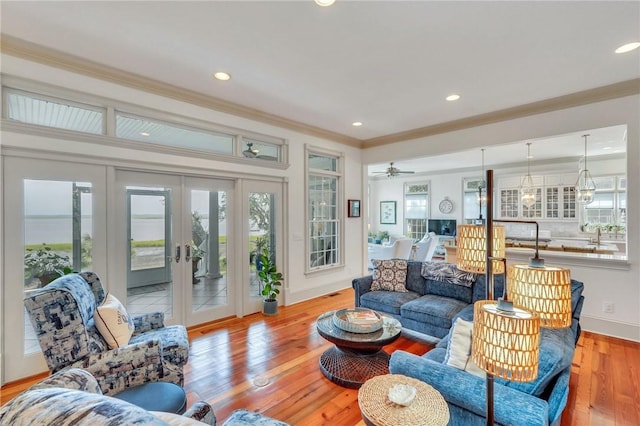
459, 349
113, 322
390, 275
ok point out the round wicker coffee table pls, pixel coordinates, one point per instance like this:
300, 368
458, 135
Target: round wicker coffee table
356, 357
428, 407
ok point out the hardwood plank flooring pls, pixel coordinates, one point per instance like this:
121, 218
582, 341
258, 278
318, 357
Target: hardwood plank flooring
229, 357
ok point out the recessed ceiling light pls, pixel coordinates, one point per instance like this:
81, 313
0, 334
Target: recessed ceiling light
145, 134
453, 97
628, 47
220, 75
325, 3
356, 123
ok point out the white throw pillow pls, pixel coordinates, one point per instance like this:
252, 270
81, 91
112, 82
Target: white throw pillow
459, 349
113, 322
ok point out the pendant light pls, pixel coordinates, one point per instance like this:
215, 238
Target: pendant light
585, 186
527, 191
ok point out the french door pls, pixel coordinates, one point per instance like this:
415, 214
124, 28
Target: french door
263, 224
54, 219
179, 244
174, 229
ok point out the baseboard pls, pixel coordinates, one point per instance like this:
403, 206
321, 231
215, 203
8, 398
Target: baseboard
328, 288
617, 329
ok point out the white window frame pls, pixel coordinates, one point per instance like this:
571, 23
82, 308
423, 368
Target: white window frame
427, 207
338, 262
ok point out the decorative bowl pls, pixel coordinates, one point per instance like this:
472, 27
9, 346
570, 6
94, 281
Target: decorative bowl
342, 321
402, 394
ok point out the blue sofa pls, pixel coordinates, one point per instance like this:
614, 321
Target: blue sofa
429, 306
539, 402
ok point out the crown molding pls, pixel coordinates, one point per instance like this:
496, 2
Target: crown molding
612, 91
36, 53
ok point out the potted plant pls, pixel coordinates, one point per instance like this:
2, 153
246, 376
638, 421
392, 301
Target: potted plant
45, 264
197, 254
271, 279
260, 244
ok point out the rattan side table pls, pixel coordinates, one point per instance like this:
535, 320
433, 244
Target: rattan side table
428, 408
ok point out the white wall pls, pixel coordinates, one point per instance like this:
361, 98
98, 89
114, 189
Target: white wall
604, 281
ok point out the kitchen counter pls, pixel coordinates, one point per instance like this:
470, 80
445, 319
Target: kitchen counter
569, 245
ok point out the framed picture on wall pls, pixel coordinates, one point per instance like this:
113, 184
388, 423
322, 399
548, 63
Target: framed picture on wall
353, 208
388, 212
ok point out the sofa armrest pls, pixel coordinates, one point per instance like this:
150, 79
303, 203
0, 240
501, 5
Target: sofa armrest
361, 286
202, 412
148, 322
468, 392
129, 366
71, 378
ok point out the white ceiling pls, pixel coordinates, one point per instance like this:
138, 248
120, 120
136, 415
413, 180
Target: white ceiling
389, 64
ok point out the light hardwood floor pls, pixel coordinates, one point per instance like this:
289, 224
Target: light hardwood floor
227, 356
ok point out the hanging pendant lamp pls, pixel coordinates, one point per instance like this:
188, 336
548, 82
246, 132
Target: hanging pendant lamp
585, 186
527, 191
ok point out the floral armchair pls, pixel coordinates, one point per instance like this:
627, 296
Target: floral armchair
62, 317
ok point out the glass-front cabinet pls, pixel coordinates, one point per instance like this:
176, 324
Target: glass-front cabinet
555, 198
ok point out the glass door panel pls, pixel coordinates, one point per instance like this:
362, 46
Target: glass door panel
149, 252
57, 236
263, 228
209, 249
210, 261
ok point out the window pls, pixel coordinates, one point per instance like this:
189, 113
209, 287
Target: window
163, 131
324, 209
471, 202
608, 211
416, 209
45, 111
154, 131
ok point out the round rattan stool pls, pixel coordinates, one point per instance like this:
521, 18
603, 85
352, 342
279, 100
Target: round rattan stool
428, 407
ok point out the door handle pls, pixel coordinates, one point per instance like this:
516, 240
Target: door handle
178, 253
187, 252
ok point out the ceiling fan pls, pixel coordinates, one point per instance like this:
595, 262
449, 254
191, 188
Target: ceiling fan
250, 152
393, 171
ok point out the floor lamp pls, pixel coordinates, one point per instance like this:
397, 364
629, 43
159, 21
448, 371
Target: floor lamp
506, 333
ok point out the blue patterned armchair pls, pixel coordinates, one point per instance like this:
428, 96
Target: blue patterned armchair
73, 396
62, 317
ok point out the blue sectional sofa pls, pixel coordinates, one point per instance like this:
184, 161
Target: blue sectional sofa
431, 307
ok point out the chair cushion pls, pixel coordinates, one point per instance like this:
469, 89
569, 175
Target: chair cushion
156, 396
386, 301
113, 322
389, 275
432, 309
